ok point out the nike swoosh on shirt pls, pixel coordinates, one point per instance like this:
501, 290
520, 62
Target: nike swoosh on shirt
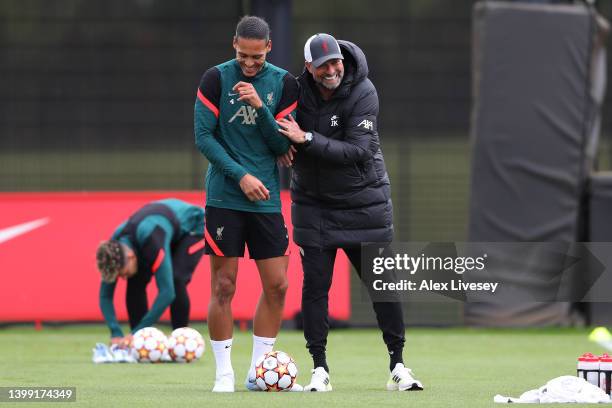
6, 234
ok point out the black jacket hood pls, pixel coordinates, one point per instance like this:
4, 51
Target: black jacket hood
355, 63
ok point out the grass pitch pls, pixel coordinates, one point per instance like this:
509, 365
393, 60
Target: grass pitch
458, 367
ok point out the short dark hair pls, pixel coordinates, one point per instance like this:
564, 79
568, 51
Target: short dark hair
253, 27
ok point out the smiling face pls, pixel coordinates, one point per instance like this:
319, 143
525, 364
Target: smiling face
251, 54
329, 74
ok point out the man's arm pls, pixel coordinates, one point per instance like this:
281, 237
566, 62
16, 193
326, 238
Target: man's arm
360, 142
205, 121
286, 106
266, 122
157, 256
107, 291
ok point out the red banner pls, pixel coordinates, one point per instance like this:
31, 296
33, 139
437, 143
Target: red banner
47, 259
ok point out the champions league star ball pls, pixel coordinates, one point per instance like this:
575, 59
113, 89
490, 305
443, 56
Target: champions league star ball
185, 345
148, 345
275, 371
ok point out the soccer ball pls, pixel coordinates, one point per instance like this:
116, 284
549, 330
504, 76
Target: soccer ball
148, 345
185, 345
275, 371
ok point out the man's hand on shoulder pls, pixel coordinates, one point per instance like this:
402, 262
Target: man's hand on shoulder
291, 129
253, 188
248, 94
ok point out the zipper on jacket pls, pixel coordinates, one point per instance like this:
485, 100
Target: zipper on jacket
318, 166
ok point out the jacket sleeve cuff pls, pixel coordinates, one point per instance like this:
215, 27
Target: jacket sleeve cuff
315, 145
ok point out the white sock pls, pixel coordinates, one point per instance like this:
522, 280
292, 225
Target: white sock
261, 346
223, 356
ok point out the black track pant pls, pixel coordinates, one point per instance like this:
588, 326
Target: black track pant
318, 266
183, 265
137, 304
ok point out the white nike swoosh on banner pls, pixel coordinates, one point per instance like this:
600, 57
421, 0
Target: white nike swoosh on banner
9, 233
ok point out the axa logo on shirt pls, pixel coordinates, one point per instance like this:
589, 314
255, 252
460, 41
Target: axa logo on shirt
247, 113
367, 124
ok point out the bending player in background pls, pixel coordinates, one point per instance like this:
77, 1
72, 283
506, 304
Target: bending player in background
163, 239
235, 129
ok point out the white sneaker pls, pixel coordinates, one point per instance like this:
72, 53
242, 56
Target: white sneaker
250, 382
121, 355
102, 354
224, 383
297, 388
401, 379
319, 381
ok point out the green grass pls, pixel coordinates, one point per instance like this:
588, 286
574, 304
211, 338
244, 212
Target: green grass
459, 367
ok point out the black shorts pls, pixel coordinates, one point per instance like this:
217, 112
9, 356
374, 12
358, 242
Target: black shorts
227, 231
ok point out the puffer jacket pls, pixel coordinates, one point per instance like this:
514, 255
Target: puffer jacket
340, 189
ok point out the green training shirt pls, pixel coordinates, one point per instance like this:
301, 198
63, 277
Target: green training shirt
238, 139
152, 246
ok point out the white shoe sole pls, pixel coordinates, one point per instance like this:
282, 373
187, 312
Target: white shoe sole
412, 387
103, 361
224, 387
314, 389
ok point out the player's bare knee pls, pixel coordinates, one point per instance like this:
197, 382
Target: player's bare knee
276, 291
223, 290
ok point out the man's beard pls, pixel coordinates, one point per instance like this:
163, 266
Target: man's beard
329, 86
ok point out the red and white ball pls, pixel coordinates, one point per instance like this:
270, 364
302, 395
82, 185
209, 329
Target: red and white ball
185, 345
148, 345
275, 371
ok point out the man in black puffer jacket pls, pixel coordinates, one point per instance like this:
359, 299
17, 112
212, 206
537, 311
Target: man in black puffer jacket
340, 191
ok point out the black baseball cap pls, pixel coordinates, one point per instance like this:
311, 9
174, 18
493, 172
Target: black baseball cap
321, 48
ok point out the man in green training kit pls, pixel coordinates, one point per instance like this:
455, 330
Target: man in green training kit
235, 110
165, 240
